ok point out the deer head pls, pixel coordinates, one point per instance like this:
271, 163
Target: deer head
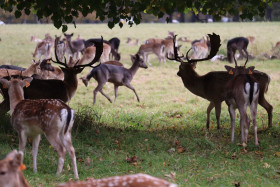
237, 70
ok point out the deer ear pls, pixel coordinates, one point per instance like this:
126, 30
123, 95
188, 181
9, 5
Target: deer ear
251, 69
26, 82
15, 160
133, 57
4, 82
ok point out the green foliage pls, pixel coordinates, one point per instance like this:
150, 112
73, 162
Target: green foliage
115, 10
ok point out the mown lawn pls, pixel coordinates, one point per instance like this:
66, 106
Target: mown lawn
166, 130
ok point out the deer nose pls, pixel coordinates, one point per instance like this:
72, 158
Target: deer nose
179, 73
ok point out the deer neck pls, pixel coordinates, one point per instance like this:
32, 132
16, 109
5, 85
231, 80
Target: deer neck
192, 81
69, 43
15, 96
71, 83
29, 71
133, 69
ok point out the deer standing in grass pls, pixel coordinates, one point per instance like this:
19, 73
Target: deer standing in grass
212, 86
11, 170
200, 48
238, 43
152, 48
31, 118
136, 180
73, 48
118, 75
242, 91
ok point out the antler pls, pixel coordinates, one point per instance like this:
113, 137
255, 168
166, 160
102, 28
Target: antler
236, 61
215, 42
57, 60
246, 60
176, 56
98, 53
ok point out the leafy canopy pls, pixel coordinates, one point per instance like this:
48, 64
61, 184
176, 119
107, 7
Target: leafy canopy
62, 12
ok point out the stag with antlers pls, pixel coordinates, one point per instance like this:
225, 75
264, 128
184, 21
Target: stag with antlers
212, 86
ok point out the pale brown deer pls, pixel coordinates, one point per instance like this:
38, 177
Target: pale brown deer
212, 86
200, 48
242, 92
118, 75
31, 118
152, 48
11, 170
130, 42
136, 180
54, 89
34, 68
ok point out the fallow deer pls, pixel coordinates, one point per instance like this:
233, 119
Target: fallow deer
200, 48
12, 67
212, 86
118, 75
130, 42
51, 72
242, 91
11, 170
54, 89
135, 180
61, 48
238, 43
43, 48
31, 118
73, 47
152, 48
36, 40
34, 68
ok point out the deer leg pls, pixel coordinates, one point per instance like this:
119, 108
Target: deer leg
243, 122
101, 91
116, 92
218, 113
231, 111
96, 90
22, 141
58, 146
66, 139
35, 145
253, 114
241, 54
210, 107
263, 102
146, 59
133, 89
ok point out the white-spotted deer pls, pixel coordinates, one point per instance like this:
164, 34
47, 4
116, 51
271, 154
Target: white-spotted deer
118, 75
212, 86
135, 180
242, 92
200, 48
11, 170
31, 118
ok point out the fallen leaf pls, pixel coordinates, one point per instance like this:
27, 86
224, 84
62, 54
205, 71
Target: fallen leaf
116, 141
177, 142
277, 154
100, 158
163, 164
80, 159
181, 149
186, 180
236, 184
233, 156
172, 175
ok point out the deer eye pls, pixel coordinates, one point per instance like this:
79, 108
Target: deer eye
2, 172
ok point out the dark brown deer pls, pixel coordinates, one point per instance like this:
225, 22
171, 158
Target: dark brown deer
54, 89
212, 86
73, 48
33, 117
238, 43
242, 92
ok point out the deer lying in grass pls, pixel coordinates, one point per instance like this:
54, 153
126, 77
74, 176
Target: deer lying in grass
34, 68
54, 89
117, 75
31, 118
11, 170
135, 180
242, 91
240, 44
50, 73
130, 42
212, 86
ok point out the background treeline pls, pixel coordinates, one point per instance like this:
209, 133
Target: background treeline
272, 14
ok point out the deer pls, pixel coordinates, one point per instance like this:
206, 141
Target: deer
11, 168
43, 48
61, 48
238, 43
200, 48
242, 92
118, 75
135, 180
12, 67
32, 117
152, 48
50, 72
34, 68
212, 86
55, 89
130, 42
36, 40
73, 48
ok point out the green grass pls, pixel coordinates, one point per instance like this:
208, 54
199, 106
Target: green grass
167, 117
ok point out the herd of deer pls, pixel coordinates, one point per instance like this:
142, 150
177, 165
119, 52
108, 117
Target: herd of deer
38, 106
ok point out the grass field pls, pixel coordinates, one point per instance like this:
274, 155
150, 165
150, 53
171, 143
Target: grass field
166, 130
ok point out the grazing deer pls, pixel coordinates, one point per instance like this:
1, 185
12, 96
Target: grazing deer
11, 170
54, 89
239, 43
34, 68
117, 75
31, 118
115, 44
130, 42
251, 39
73, 48
135, 180
242, 91
36, 40
200, 48
152, 48
212, 86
